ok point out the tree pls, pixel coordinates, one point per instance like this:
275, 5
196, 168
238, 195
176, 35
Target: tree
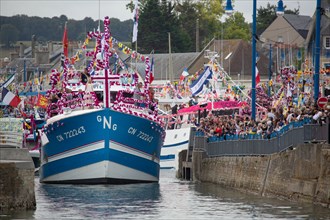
188, 15
152, 28
209, 15
8, 35
235, 27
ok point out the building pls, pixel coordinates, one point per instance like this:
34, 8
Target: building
287, 35
324, 35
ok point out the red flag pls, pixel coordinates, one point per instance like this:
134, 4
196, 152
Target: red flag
42, 101
65, 41
257, 76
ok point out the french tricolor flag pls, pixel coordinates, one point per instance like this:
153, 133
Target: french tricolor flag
257, 76
9, 98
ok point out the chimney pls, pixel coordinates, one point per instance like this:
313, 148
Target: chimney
33, 44
21, 50
50, 47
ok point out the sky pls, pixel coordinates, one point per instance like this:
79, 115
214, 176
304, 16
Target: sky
79, 9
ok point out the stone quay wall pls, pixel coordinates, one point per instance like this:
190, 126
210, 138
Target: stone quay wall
16, 180
300, 174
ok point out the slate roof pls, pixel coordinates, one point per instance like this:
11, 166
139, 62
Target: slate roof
300, 23
239, 62
161, 64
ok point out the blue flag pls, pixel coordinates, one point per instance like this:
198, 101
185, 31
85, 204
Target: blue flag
197, 86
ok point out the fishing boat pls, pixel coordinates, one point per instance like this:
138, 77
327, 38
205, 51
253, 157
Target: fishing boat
103, 136
176, 141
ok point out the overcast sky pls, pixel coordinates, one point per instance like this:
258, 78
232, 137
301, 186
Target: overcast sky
79, 9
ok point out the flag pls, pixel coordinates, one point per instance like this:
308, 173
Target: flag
152, 77
8, 82
103, 42
288, 92
135, 20
197, 86
183, 75
9, 98
185, 72
257, 76
65, 41
42, 101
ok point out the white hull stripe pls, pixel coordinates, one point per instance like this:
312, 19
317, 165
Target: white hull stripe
79, 150
126, 149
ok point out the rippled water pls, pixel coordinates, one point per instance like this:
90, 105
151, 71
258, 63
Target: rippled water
170, 199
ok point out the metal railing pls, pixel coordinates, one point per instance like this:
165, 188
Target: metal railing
11, 132
279, 141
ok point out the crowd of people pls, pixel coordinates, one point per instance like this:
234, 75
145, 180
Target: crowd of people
268, 123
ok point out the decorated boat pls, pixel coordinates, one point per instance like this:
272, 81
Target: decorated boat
103, 134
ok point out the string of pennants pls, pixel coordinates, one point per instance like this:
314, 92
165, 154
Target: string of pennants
112, 41
126, 50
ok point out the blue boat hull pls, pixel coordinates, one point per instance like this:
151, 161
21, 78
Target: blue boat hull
100, 146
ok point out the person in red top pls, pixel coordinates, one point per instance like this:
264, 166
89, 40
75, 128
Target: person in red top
218, 131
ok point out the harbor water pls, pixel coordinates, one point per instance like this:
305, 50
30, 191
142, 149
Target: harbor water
171, 198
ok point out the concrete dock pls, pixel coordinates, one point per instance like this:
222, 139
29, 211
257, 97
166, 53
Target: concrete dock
16, 169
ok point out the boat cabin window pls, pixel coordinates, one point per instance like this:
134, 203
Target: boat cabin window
99, 95
113, 96
128, 95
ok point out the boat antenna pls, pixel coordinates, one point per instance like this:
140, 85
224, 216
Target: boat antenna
99, 16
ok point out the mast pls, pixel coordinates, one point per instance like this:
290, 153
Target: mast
99, 16
135, 27
170, 65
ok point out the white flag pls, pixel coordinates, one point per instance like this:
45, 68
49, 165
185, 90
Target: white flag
288, 92
135, 20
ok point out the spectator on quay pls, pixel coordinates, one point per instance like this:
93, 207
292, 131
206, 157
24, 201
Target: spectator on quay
270, 128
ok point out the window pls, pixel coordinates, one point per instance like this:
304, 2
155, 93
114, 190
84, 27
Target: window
326, 65
326, 42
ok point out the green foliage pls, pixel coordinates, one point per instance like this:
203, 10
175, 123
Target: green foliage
154, 33
152, 28
188, 15
8, 35
51, 29
180, 19
265, 16
235, 27
157, 18
209, 14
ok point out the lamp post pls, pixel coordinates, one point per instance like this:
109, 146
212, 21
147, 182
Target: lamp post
279, 11
269, 69
317, 51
